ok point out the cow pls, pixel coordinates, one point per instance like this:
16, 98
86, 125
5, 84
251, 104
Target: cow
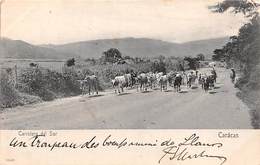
133, 78
190, 79
158, 77
89, 83
171, 76
119, 83
208, 82
128, 79
151, 79
214, 73
212, 64
83, 86
163, 82
202, 80
211, 80
177, 83
143, 81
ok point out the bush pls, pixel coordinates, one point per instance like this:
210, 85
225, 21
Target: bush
48, 84
9, 97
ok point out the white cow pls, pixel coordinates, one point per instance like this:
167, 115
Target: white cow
212, 64
128, 79
163, 82
158, 77
119, 83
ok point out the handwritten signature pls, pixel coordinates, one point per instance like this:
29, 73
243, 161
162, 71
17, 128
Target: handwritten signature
181, 151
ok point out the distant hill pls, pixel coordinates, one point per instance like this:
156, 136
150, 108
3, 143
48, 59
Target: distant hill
142, 47
134, 47
22, 50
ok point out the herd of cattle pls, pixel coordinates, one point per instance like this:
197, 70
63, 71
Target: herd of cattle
144, 81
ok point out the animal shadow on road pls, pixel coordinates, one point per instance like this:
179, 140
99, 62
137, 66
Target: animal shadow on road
82, 100
183, 91
194, 87
169, 90
91, 96
212, 92
95, 96
122, 94
216, 87
146, 91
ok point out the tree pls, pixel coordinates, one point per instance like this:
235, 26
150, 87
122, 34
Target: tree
112, 55
247, 7
192, 62
233, 50
70, 62
158, 67
218, 55
201, 57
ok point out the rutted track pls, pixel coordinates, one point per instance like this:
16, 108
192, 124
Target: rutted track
155, 109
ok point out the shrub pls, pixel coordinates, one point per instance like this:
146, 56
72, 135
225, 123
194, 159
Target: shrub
48, 84
9, 96
70, 62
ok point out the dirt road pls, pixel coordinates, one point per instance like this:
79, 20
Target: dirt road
191, 109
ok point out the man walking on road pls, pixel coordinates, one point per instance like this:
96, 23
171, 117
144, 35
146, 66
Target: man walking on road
214, 75
233, 75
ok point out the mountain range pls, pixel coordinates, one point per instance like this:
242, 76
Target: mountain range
134, 47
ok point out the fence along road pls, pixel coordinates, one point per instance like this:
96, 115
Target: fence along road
155, 109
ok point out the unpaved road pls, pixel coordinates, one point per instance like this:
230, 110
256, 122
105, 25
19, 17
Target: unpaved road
191, 109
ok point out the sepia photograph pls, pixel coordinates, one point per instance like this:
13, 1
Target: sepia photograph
129, 64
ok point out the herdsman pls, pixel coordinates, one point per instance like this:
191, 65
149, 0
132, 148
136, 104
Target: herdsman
233, 75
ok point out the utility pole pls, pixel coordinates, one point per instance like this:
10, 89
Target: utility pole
1, 2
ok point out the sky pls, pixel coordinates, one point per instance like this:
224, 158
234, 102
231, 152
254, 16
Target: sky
65, 21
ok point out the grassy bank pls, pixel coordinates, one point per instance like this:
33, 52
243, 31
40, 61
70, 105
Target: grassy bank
36, 84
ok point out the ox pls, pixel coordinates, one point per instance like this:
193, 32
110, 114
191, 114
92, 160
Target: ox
143, 81
133, 78
191, 78
158, 77
163, 82
151, 79
90, 83
171, 75
208, 82
128, 80
177, 82
119, 83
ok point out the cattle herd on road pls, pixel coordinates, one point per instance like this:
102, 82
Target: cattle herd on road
144, 81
